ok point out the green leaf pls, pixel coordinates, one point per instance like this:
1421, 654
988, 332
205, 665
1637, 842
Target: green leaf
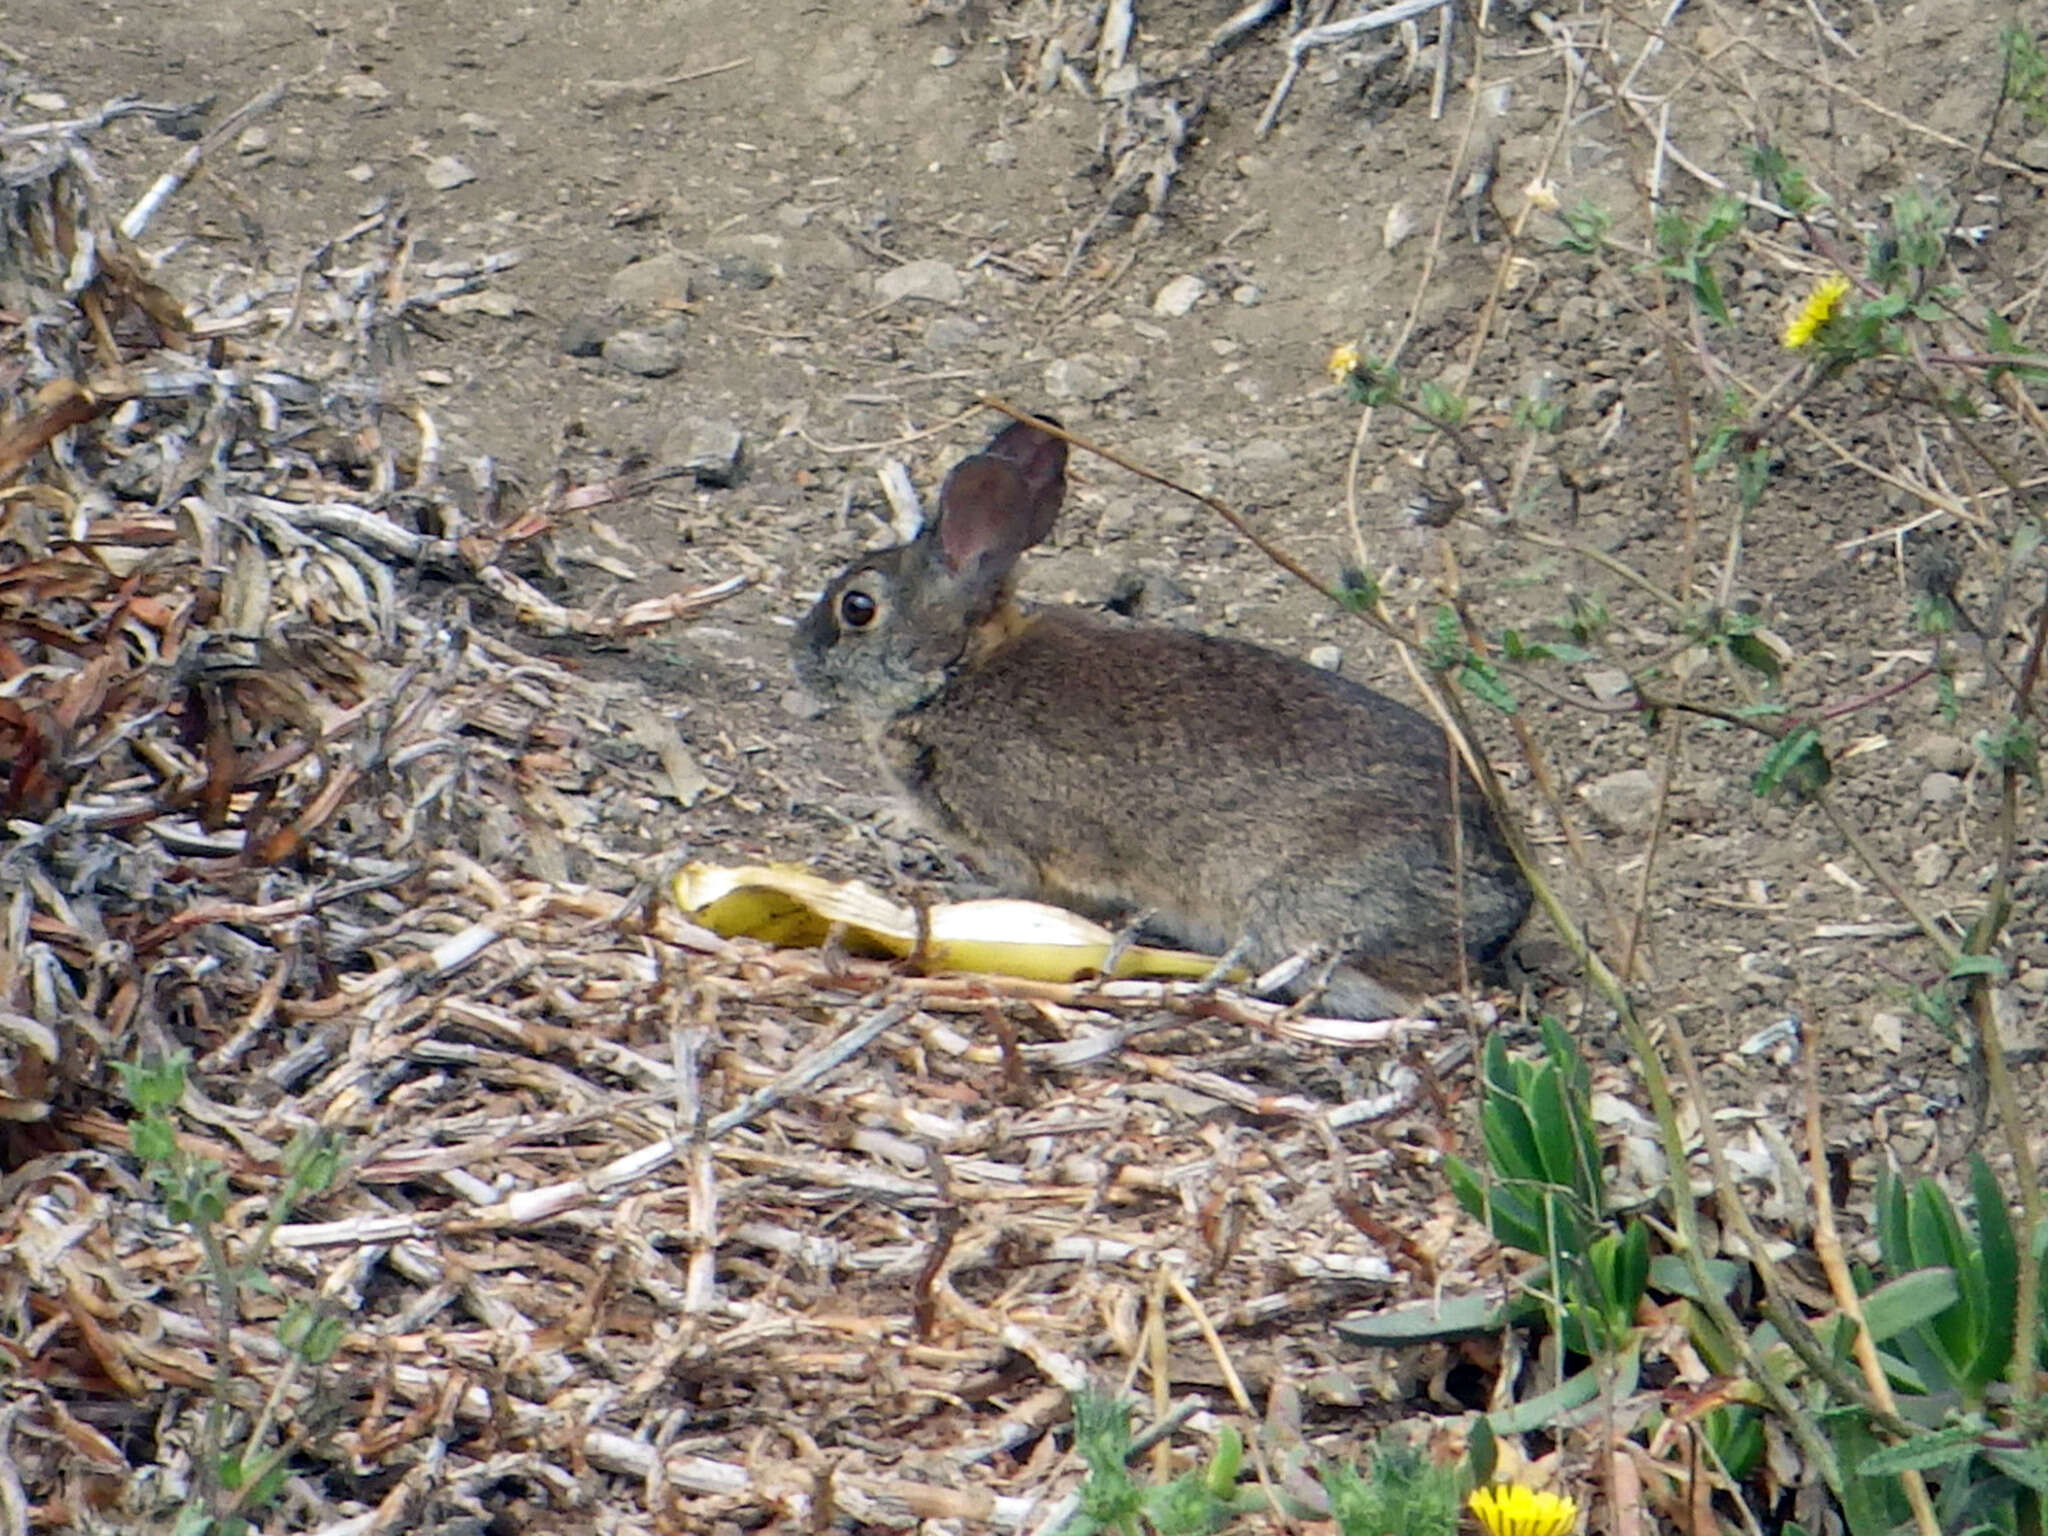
1670, 1273
1754, 654
1989, 966
1556, 1138
1567, 1404
1938, 1239
1483, 681
1796, 758
1220, 1476
1909, 1301
1942, 1448
2023, 1464
1871, 1506
1998, 1260
1423, 1322
153, 1139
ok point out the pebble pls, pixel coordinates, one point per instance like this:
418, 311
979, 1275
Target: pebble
711, 450
745, 272
1942, 753
445, 173
1264, 454
1247, 295
1397, 226
949, 333
1624, 802
360, 173
1941, 789
658, 282
1071, 378
46, 101
254, 140
483, 127
646, 353
1607, 683
933, 281
1575, 319
584, 335
1328, 657
801, 705
1931, 863
2033, 153
1178, 296
1889, 1031
943, 57
999, 153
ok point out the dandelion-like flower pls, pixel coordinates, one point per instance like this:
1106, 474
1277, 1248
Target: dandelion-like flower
1508, 1509
1817, 311
1343, 363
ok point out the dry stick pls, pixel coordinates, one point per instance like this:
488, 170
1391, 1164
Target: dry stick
1827, 1247
136, 220
1505, 266
1409, 321
1235, 1385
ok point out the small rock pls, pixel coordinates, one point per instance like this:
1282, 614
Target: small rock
1264, 455
646, 353
1607, 683
445, 173
999, 153
1178, 296
584, 336
1328, 657
2034, 979
361, 88
943, 57
1247, 295
1624, 802
2033, 154
45, 101
1942, 753
1396, 227
659, 282
360, 173
1931, 863
1070, 378
932, 281
949, 333
745, 272
710, 449
483, 127
1575, 319
799, 704
1889, 1031
1908, 1147
1941, 789
253, 141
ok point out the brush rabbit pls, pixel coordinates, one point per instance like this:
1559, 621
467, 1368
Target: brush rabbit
1238, 799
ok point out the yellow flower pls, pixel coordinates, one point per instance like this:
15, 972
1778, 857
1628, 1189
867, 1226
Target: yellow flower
1817, 311
1343, 363
1508, 1509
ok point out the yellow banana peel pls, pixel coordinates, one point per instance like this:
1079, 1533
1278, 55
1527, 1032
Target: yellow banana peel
787, 905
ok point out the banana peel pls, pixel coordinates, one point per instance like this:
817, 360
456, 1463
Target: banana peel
788, 906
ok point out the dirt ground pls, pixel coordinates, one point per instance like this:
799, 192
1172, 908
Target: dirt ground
722, 197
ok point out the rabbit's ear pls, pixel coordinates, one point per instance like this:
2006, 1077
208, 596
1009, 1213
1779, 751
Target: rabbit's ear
1001, 501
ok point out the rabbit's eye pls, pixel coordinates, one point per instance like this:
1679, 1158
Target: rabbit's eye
857, 610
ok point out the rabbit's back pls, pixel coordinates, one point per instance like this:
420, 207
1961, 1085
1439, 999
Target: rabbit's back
1228, 789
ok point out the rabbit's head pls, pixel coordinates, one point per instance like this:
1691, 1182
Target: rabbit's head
896, 625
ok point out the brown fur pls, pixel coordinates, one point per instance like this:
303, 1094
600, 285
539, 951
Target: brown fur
1236, 794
